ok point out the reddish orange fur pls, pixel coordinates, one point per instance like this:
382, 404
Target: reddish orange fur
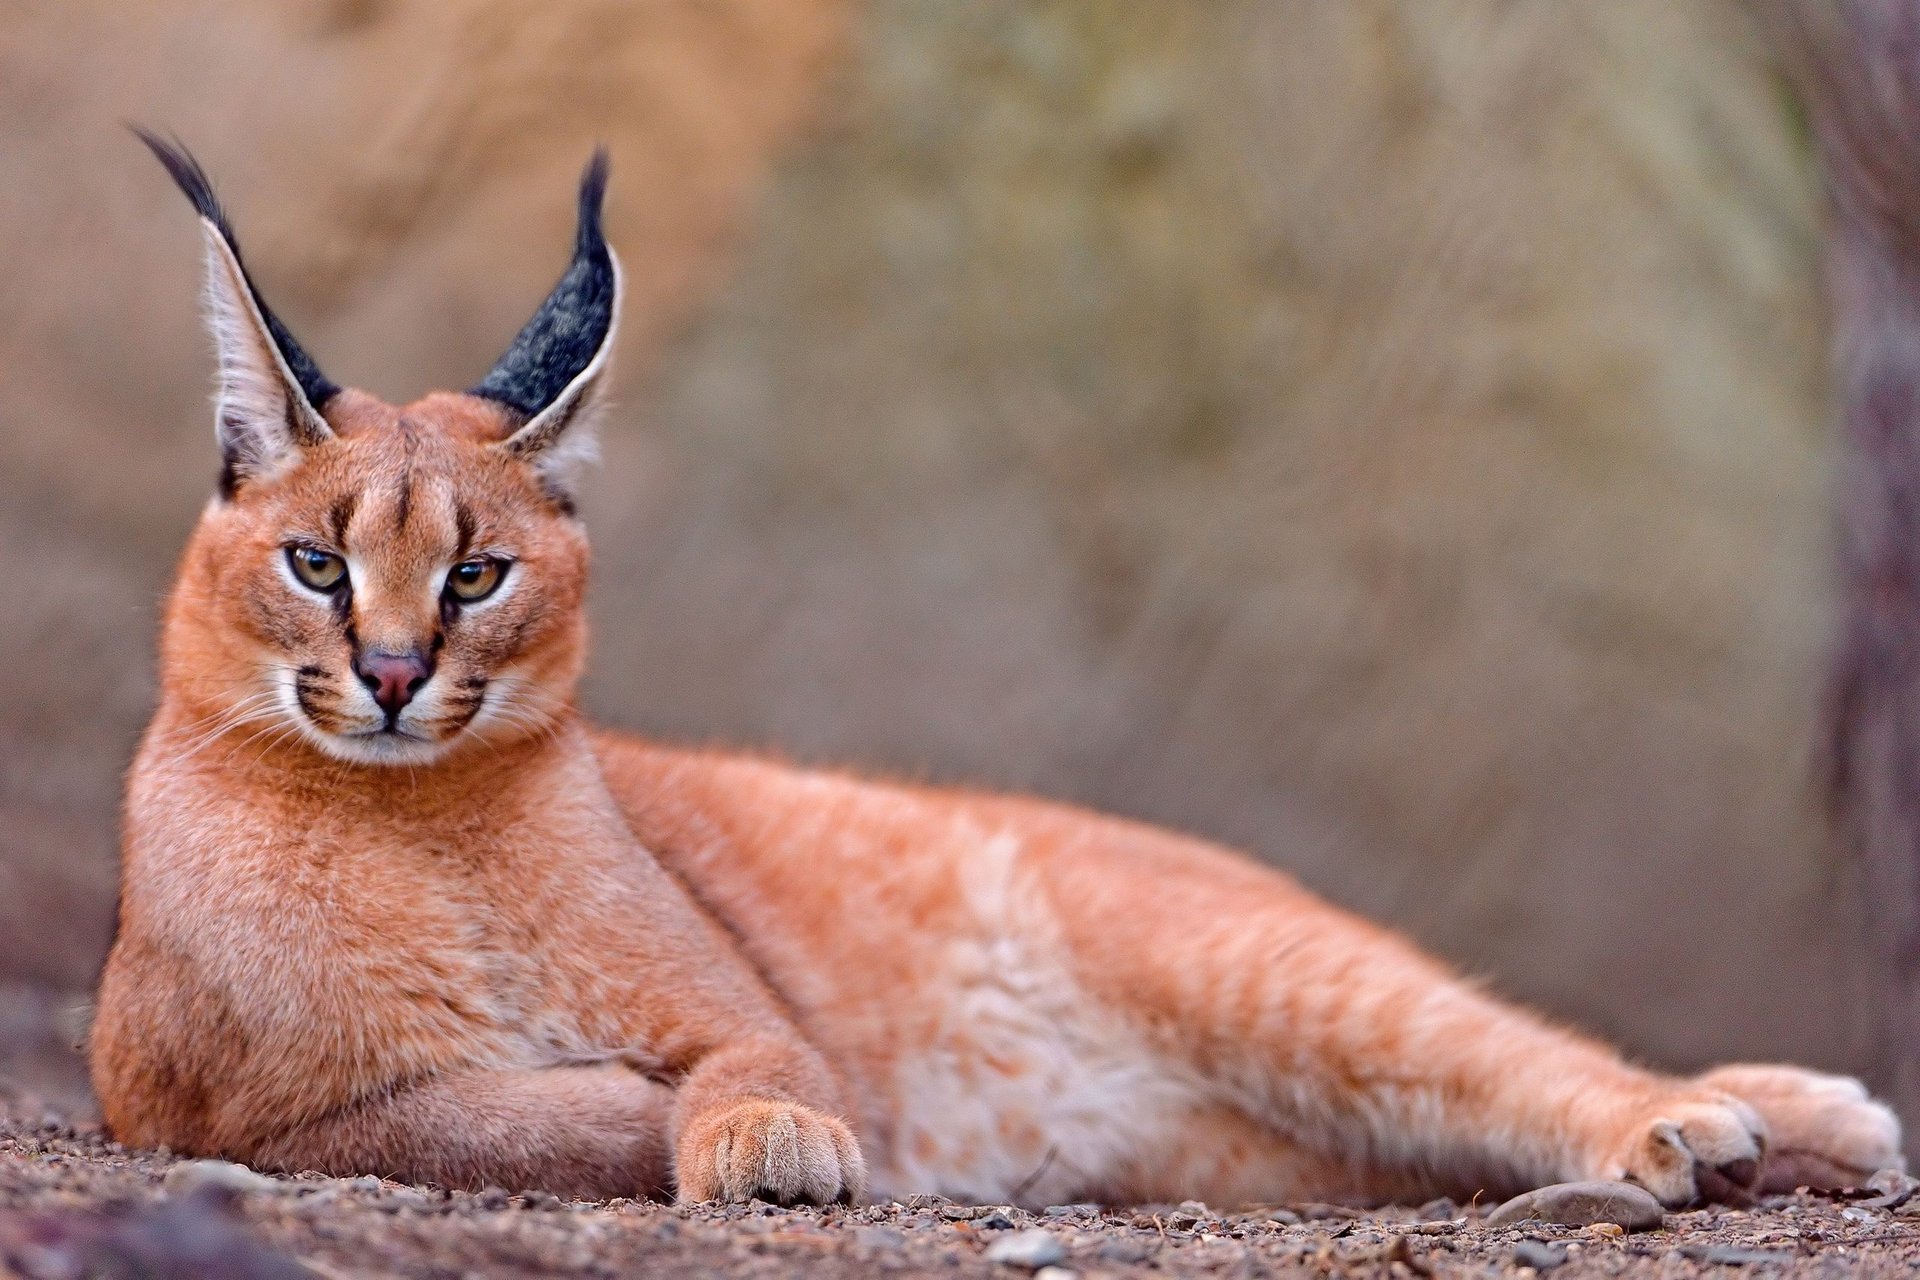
548, 956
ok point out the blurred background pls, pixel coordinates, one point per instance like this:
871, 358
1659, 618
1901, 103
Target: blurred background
1392, 437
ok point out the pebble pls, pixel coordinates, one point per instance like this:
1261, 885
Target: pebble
1727, 1255
1580, 1204
1539, 1254
1894, 1187
222, 1176
1056, 1273
1033, 1249
880, 1239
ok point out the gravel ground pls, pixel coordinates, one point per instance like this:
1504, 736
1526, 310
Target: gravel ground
73, 1204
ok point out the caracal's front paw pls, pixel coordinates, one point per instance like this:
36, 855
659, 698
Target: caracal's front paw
1823, 1131
778, 1151
1695, 1144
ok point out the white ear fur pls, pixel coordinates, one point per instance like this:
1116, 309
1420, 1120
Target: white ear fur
261, 416
561, 440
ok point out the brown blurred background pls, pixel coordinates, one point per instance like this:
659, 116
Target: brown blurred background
1392, 437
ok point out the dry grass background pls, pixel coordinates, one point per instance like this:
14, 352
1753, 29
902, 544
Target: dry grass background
1390, 436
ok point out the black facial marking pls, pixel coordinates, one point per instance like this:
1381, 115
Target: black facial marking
463, 521
409, 446
193, 181
309, 683
571, 325
340, 515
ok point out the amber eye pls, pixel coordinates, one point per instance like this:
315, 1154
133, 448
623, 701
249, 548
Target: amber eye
475, 579
321, 570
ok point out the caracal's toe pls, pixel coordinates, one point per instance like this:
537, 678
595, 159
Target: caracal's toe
1824, 1131
1696, 1144
778, 1151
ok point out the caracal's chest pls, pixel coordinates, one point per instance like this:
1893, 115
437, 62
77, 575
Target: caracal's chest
425, 944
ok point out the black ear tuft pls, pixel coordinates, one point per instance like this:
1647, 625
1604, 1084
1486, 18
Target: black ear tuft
572, 326
193, 180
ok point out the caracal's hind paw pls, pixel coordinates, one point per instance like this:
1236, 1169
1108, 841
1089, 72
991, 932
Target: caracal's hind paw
1823, 1131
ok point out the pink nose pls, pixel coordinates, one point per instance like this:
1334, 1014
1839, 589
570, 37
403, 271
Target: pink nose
392, 678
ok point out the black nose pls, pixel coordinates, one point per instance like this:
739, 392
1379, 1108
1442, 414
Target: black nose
392, 678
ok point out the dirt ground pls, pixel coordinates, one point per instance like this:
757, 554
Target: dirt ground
73, 1204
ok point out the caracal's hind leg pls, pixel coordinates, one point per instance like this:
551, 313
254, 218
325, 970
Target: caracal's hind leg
1343, 1040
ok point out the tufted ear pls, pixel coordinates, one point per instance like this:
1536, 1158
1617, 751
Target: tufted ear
552, 377
267, 408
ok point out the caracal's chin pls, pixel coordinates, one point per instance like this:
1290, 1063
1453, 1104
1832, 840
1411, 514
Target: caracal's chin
399, 745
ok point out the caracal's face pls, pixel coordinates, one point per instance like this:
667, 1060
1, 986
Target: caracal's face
387, 585
403, 587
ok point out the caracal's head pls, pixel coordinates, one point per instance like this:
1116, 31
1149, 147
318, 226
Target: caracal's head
388, 584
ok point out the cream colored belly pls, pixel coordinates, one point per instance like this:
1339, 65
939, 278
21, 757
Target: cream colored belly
1016, 1086
1015, 1104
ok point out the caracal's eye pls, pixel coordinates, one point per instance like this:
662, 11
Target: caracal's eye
321, 570
475, 579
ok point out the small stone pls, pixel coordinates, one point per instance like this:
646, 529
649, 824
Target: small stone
1894, 1189
365, 1182
1056, 1273
1728, 1255
1123, 1251
318, 1200
1033, 1249
1539, 1254
993, 1220
956, 1212
218, 1176
880, 1239
1581, 1204
1607, 1230
1073, 1210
